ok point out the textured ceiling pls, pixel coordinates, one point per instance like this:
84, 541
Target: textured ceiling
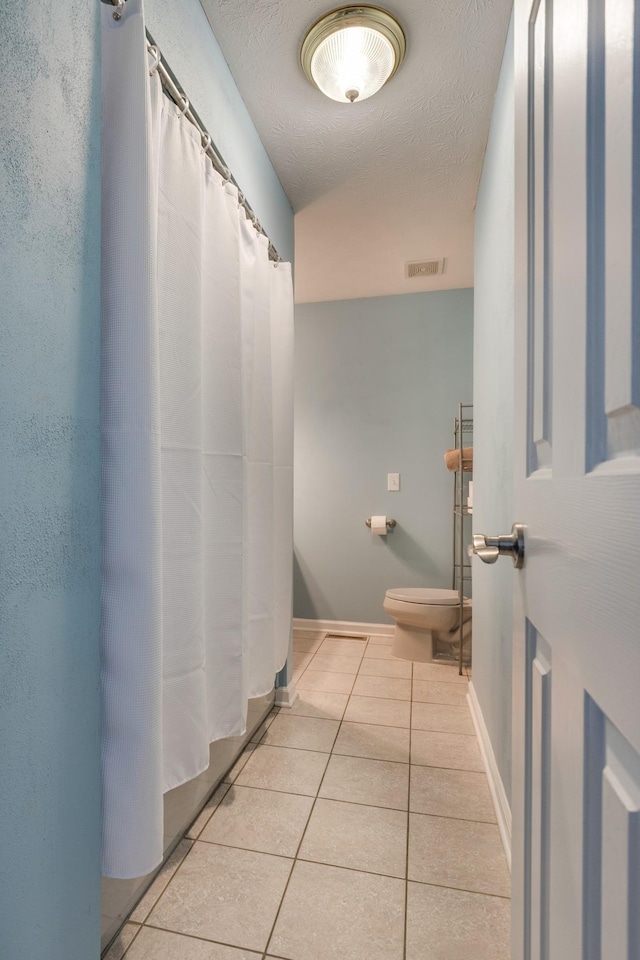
391, 179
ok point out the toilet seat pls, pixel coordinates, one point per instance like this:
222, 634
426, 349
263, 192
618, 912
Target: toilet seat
424, 595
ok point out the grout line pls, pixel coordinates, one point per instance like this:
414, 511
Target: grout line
133, 939
406, 863
193, 936
304, 832
354, 803
295, 859
355, 756
449, 886
452, 733
302, 836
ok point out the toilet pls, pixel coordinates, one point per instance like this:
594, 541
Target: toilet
427, 623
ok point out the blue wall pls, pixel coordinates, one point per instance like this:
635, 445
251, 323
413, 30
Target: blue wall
493, 413
49, 442
49, 481
378, 382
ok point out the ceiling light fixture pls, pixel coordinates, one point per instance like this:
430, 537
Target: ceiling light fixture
350, 53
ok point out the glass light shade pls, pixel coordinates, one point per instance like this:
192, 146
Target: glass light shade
352, 64
351, 52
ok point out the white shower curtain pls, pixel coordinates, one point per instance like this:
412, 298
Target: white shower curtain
197, 353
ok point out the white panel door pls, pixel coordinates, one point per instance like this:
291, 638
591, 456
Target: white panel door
576, 789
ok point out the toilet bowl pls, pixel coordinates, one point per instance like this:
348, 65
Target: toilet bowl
427, 623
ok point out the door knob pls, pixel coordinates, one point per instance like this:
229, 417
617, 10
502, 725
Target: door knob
509, 545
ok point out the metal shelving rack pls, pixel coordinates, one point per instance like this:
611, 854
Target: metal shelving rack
463, 437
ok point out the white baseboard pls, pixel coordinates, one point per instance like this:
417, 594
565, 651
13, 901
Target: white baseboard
498, 795
345, 626
286, 696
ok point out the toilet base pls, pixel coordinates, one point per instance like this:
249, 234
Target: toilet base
425, 646
411, 643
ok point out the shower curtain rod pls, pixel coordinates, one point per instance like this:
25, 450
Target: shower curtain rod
171, 86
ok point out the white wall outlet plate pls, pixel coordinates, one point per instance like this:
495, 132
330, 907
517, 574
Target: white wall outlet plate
393, 482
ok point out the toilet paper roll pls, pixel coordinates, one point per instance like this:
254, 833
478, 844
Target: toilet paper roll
379, 526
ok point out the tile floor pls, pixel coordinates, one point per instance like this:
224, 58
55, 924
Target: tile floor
357, 825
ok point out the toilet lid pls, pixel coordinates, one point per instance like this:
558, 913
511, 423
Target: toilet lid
443, 598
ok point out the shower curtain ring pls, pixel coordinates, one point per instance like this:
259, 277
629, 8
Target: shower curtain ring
185, 105
155, 53
206, 142
241, 198
119, 5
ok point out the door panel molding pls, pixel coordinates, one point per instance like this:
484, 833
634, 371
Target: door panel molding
538, 254
537, 793
611, 865
613, 319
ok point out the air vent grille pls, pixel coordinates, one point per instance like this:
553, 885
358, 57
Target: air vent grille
345, 636
423, 268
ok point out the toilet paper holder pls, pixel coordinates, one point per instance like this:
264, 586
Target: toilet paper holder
390, 523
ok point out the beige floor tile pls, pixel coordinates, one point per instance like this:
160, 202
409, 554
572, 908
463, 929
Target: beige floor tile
315, 703
389, 713
384, 641
306, 645
122, 941
371, 667
378, 783
456, 925
380, 651
305, 648
457, 853
301, 660
299, 667
434, 691
240, 763
200, 823
155, 944
444, 717
325, 681
455, 751
300, 634
262, 729
343, 648
372, 741
451, 793
360, 837
333, 663
261, 820
306, 733
445, 672
330, 913
388, 688
224, 894
284, 769
154, 892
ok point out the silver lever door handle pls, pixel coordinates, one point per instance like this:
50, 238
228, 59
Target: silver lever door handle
509, 545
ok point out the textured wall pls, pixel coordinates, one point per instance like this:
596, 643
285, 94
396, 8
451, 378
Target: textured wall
184, 36
378, 382
49, 481
493, 412
49, 438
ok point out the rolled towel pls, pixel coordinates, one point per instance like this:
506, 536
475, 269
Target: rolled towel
452, 459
